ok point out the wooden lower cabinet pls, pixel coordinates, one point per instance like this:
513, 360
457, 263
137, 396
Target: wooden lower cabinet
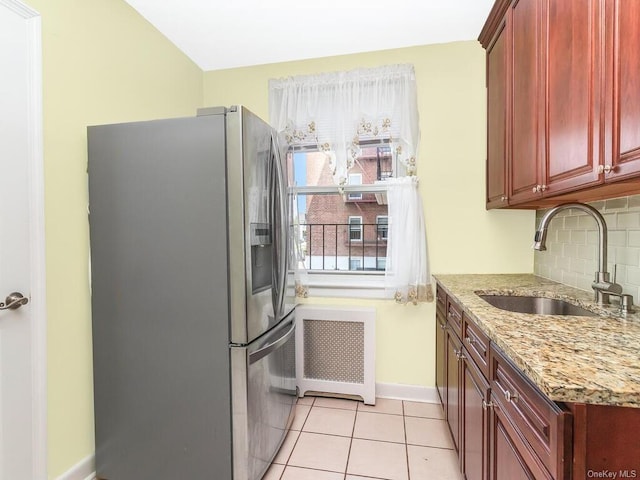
474, 454
504, 428
509, 457
454, 352
441, 356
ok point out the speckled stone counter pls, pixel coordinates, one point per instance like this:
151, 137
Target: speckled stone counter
570, 358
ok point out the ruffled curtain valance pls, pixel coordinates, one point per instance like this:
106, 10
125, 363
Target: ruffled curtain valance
337, 111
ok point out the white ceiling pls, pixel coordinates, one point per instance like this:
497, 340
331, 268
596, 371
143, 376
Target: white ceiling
219, 34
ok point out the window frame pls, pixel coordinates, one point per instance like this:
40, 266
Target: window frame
384, 237
352, 229
354, 196
345, 283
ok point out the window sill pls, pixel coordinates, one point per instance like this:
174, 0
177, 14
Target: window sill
346, 285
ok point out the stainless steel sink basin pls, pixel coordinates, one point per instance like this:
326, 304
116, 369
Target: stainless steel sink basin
536, 305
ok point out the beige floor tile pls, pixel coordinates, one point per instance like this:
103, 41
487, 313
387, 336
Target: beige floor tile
423, 409
427, 432
321, 452
433, 463
287, 447
301, 416
332, 421
305, 400
297, 473
378, 459
379, 426
383, 405
336, 403
274, 472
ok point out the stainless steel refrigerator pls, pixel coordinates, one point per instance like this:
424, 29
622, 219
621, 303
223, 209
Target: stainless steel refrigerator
193, 332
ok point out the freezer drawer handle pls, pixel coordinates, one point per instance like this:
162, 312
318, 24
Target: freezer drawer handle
267, 349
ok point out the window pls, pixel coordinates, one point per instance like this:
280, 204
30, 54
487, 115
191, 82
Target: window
348, 133
355, 229
334, 230
382, 222
355, 179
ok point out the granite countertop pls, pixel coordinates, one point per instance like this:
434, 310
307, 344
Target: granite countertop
570, 358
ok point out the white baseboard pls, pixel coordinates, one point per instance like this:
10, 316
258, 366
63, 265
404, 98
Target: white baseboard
85, 469
415, 393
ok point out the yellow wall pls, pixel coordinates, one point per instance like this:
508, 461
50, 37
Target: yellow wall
463, 237
103, 63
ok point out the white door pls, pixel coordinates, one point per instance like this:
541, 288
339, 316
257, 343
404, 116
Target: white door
22, 321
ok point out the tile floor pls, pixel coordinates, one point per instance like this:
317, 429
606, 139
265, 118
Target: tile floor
335, 439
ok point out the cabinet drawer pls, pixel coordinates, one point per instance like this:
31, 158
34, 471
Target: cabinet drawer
477, 344
454, 317
441, 299
541, 423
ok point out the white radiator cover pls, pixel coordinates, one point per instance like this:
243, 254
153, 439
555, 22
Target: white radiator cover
335, 351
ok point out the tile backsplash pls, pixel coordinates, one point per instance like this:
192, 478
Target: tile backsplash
572, 245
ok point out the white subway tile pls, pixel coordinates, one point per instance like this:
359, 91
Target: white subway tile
633, 276
616, 204
564, 236
587, 252
628, 256
634, 202
617, 238
633, 238
628, 220
579, 237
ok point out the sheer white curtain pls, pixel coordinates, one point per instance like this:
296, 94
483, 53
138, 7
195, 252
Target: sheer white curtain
407, 276
336, 111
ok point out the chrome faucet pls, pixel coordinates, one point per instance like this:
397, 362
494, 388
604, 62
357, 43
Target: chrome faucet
601, 285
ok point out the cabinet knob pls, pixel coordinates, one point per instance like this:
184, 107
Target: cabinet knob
543, 187
460, 355
503, 198
608, 169
511, 397
539, 188
486, 405
442, 326
470, 340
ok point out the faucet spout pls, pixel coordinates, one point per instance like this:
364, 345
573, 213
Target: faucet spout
601, 285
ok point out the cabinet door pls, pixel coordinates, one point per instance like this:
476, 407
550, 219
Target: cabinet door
510, 458
526, 161
497, 120
441, 357
475, 442
454, 351
573, 60
623, 87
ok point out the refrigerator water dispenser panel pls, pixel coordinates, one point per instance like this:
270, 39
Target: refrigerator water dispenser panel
261, 257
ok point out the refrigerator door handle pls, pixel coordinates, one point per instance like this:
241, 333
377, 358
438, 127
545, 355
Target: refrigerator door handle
281, 243
267, 349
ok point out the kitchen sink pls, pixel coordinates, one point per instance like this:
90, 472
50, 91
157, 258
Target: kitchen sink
536, 305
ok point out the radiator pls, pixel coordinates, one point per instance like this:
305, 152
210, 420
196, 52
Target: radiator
335, 351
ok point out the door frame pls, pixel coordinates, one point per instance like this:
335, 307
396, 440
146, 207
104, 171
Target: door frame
37, 272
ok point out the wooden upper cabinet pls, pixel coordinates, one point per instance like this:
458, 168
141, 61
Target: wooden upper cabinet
497, 120
622, 152
572, 59
526, 168
570, 92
